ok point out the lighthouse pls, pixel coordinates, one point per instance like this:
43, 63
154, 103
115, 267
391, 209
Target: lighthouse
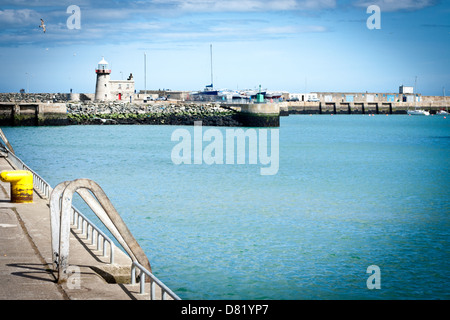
102, 88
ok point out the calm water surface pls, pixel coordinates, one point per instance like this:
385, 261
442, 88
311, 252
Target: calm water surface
351, 191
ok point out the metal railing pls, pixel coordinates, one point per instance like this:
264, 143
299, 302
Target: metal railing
83, 224
165, 291
60, 204
92, 232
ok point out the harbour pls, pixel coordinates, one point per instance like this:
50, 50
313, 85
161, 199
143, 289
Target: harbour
306, 160
117, 102
186, 112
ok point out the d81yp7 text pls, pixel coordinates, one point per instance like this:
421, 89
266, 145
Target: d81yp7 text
246, 309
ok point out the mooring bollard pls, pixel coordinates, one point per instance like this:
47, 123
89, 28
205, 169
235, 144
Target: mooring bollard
21, 185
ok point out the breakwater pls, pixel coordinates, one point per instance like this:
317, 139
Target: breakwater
34, 97
32, 114
336, 107
25, 113
161, 113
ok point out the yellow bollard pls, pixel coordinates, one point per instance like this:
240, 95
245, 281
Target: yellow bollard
21, 185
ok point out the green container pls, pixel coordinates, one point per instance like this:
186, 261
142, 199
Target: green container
259, 97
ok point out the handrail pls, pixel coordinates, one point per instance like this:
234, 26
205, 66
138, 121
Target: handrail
77, 219
80, 219
60, 205
153, 280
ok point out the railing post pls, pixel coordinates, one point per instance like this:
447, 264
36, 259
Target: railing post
99, 237
133, 274
88, 234
142, 282
111, 253
55, 221
64, 236
94, 233
104, 247
152, 290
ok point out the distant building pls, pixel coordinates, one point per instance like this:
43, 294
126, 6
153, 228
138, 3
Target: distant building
112, 90
303, 97
366, 97
165, 94
406, 90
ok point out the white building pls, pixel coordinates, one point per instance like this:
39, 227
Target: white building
102, 90
112, 90
303, 97
403, 89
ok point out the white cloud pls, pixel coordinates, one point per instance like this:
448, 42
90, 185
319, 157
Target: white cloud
316, 5
17, 18
246, 5
294, 29
142, 21
396, 5
43, 3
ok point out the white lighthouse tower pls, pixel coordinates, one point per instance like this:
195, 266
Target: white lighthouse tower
102, 88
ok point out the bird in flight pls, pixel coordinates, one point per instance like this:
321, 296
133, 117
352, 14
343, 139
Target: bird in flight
42, 25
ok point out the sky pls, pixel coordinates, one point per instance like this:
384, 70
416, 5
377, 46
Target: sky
284, 45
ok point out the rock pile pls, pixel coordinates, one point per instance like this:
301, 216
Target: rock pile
159, 113
130, 108
34, 97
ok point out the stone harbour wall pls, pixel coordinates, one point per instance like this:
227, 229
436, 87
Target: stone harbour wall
32, 114
159, 113
24, 109
34, 97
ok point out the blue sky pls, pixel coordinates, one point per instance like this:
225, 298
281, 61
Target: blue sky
291, 45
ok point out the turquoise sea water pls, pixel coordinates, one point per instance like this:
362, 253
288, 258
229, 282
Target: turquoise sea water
351, 191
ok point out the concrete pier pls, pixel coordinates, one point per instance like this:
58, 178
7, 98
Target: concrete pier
32, 114
26, 257
259, 114
175, 112
378, 107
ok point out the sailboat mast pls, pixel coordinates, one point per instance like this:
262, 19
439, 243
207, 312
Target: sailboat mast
211, 66
415, 85
145, 71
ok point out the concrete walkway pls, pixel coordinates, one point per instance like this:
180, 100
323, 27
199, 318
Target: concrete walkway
25, 257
